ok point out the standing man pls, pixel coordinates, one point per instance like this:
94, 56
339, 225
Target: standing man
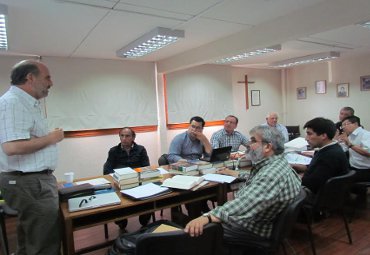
328, 161
271, 120
357, 140
127, 154
228, 136
28, 157
270, 187
191, 144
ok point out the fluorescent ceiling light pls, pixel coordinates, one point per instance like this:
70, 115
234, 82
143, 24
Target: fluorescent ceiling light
307, 59
152, 41
3, 25
365, 24
249, 54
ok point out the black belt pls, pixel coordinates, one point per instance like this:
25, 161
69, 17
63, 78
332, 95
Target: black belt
46, 171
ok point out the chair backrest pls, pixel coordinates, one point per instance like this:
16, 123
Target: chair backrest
293, 132
335, 192
179, 242
163, 160
286, 220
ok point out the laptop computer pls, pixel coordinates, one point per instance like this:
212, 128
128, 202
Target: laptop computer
94, 201
219, 154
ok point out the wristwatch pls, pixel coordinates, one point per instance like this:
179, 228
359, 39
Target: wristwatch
350, 145
208, 215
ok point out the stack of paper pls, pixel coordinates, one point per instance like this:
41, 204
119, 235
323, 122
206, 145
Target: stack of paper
145, 191
297, 144
219, 178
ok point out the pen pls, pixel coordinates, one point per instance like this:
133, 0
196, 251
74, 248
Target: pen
200, 185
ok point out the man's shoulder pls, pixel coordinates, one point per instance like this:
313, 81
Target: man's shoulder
218, 133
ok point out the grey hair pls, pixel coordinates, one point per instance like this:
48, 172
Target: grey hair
270, 135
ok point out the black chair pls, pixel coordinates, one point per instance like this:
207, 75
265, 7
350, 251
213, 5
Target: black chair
331, 197
293, 132
5, 211
163, 160
181, 243
283, 225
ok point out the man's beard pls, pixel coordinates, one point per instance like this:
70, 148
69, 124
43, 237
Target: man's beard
255, 155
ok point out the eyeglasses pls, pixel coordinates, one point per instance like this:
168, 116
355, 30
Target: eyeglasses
346, 124
86, 201
253, 141
197, 127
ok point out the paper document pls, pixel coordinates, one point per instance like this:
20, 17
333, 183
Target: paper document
162, 170
145, 191
294, 158
97, 181
298, 143
219, 178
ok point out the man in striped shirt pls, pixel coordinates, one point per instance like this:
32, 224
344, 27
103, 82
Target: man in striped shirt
270, 186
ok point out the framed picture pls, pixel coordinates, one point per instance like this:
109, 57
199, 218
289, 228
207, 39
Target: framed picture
320, 87
255, 97
365, 82
343, 90
301, 93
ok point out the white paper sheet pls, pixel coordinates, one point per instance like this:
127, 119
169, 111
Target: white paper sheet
144, 191
97, 181
219, 178
294, 158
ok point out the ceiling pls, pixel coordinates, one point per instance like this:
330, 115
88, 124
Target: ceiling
213, 28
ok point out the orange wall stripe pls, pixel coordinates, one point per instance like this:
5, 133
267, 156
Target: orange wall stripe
186, 125
110, 131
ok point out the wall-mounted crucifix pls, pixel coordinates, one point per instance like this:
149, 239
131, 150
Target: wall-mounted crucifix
246, 82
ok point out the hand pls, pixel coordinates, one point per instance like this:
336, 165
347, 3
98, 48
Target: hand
56, 135
195, 227
199, 135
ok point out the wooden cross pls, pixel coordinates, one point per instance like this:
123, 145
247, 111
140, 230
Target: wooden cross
246, 82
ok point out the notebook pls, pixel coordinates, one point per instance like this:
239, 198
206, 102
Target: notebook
219, 154
93, 201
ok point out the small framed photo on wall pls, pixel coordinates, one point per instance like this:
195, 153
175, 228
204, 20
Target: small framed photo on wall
365, 82
301, 93
255, 97
320, 87
343, 90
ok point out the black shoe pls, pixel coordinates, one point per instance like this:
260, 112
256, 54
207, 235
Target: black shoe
144, 219
122, 224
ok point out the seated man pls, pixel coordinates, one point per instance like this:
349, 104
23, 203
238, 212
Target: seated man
127, 154
271, 120
228, 136
343, 113
191, 144
270, 186
357, 140
328, 161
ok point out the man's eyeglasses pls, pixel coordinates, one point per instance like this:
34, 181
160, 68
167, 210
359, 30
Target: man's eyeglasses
86, 201
346, 124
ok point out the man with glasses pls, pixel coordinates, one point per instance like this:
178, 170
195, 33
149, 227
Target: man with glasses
270, 186
228, 136
357, 140
191, 144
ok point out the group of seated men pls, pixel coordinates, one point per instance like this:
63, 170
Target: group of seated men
272, 182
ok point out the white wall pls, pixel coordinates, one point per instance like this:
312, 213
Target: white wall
342, 70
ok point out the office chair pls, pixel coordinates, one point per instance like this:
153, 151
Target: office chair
5, 211
180, 243
331, 197
293, 132
283, 225
162, 161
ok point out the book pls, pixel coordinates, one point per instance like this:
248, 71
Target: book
163, 228
147, 172
211, 170
201, 164
127, 180
149, 180
126, 172
183, 166
182, 182
219, 178
218, 164
189, 173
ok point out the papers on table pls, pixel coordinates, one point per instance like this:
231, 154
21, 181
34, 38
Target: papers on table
294, 158
297, 144
162, 170
219, 178
145, 191
97, 181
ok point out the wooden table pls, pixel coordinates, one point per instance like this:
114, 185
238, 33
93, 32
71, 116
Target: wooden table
129, 208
